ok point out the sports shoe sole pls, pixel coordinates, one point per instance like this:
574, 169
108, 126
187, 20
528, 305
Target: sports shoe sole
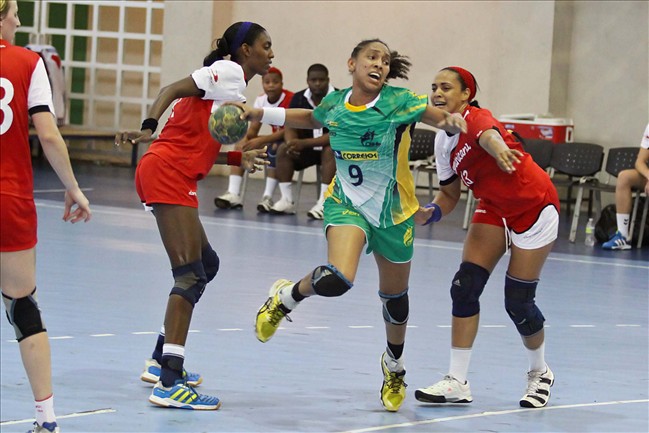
224, 204
427, 398
168, 403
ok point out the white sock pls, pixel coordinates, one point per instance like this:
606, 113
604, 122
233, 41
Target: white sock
286, 189
271, 183
45, 410
323, 189
623, 223
537, 358
234, 185
460, 359
287, 298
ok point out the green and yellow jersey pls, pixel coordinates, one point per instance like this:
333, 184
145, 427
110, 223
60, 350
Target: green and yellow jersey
371, 144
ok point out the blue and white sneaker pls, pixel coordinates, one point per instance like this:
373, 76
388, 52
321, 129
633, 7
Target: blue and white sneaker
47, 427
617, 242
182, 396
152, 369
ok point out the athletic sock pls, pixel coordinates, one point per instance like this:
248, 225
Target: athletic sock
536, 358
395, 350
623, 224
286, 189
45, 410
157, 352
459, 365
173, 358
271, 184
234, 185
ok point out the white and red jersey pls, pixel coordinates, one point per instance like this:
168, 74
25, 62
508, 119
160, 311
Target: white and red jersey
461, 155
283, 102
185, 141
24, 90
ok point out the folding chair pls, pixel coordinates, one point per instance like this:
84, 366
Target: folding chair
617, 159
579, 162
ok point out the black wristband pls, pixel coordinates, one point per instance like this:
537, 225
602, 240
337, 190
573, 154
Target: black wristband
149, 123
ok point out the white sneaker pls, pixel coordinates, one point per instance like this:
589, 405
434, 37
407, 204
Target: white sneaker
538, 388
228, 201
265, 204
317, 211
283, 207
447, 390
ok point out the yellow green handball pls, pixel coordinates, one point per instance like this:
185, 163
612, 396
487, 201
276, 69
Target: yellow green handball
226, 125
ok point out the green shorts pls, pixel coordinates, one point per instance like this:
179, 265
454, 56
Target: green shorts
394, 243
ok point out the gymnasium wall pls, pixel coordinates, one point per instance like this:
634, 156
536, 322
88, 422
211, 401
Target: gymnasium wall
585, 60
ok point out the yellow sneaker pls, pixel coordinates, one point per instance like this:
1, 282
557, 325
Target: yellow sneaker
393, 390
272, 312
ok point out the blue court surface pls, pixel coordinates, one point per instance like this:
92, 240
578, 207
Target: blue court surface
103, 288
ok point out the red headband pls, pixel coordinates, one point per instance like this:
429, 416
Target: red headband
274, 70
468, 79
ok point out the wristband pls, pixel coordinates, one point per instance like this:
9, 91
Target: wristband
274, 116
149, 123
234, 157
437, 213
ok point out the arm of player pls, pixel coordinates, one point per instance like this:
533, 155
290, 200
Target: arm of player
444, 203
180, 89
451, 123
493, 143
57, 155
299, 118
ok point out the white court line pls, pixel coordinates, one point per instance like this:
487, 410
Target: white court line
215, 221
71, 415
485, 414
198, 331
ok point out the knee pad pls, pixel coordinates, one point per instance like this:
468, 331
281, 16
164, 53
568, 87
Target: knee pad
211, 262
395, 307
520, 305
24, 315
468, 284
327, 281
189, 282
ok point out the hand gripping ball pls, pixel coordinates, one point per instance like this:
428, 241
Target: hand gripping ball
226, 125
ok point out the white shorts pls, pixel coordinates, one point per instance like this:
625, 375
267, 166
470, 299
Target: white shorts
544, 231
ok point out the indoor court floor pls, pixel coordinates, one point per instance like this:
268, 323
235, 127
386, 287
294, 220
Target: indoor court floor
103, 288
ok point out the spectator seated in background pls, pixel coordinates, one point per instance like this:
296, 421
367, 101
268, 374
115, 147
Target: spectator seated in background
304, 148
627, 180
274, 96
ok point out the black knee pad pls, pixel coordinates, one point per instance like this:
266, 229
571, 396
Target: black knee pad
468, 284
211, 262
327, 281
520, 305
24, 315
189, 281
396, 308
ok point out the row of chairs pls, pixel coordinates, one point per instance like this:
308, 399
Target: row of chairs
575, 166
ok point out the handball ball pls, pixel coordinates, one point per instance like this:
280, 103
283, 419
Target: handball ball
226, 125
